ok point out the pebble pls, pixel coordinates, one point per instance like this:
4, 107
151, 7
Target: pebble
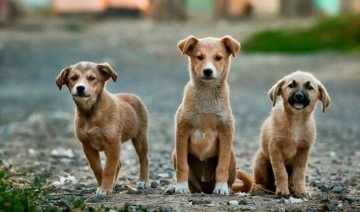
170, 190
154, 184
233, 203
200, 201
258, 192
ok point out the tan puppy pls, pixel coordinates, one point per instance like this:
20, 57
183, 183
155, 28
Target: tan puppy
203, 157
104, 120
288, 134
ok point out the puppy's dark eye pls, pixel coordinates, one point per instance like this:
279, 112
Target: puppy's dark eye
73, 78
309, 87
91, 78
200, 57
218, 57
292, 85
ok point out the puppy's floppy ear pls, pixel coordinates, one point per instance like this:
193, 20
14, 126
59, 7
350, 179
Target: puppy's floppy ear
324, 97
231, 45
187, 45
107, 71
275, 91
61, 79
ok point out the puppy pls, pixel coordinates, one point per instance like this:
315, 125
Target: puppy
288, 134
103, 121
203, 157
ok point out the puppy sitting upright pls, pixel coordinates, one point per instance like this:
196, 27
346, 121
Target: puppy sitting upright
288, 133
203, 157
104, 120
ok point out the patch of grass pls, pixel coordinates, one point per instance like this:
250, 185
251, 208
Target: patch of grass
338, 33
15, 196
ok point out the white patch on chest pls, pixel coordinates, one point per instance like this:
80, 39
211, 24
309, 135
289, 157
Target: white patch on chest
203, 144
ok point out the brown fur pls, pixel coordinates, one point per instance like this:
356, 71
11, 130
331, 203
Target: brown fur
103, 121
203, 157
288, 134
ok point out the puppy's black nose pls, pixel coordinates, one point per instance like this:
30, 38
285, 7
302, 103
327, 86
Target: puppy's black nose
299, 96
80, 88
208, 72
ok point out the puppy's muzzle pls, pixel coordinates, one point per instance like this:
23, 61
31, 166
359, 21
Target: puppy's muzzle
80, 91
208, 74
299, 100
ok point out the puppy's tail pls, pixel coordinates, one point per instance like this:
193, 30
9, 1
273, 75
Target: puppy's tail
247, 185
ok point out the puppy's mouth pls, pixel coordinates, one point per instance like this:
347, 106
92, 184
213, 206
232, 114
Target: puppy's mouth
81, 96
299, 104
207, 79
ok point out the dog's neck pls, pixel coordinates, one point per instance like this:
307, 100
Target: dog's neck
207, 97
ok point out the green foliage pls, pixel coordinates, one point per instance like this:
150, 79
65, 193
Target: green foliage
337, 33
29, 197
17, 197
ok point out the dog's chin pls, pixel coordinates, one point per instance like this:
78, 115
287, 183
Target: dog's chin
81, 98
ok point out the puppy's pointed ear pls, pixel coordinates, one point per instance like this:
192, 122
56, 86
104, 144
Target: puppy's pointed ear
231, 45
187, 45
61, 79
324, 97
275, 91
107, 71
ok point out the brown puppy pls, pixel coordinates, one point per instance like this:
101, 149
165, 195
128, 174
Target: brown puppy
104, 120
288, 134
203, 157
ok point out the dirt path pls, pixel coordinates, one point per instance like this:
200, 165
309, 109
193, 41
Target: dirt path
36, 118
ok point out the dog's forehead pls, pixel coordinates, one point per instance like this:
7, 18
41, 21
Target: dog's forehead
210, 42
84, 66
301, 77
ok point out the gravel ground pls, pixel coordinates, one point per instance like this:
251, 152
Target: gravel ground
36, 119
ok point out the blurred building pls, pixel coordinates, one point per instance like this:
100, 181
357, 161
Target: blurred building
181, 9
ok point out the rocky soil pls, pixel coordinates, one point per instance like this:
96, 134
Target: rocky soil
36, 119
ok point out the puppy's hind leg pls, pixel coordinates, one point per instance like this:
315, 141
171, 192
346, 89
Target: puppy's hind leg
263, 175
140, 143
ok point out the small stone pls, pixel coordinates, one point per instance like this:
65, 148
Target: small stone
165, 208
154, 184
170, 190
233, 203
337, 189
295, 200
324, 198
328, 207
345, 198
200, 201
258, 192
324, 188
283, 200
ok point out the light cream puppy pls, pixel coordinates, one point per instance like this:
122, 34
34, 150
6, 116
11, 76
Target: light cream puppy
103, 121
288, 134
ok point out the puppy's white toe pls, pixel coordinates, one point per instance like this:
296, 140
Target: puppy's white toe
142, 185
221, 189
100, 192
182, 188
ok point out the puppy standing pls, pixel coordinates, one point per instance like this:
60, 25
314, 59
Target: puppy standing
104, 120
288, 133
203, 157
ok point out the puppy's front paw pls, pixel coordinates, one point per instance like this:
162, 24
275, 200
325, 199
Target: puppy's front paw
221, 189
142, 185
182, 188
282, 191
100, 192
